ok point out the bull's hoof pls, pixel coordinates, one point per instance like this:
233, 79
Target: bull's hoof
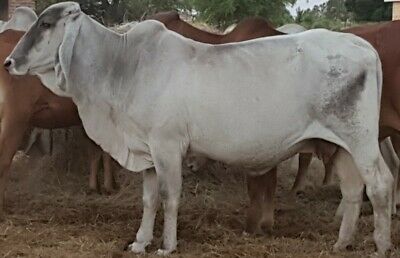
164, 252
384, 248
137, 248
341, 246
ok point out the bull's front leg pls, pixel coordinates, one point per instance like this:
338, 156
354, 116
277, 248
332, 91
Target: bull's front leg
167, 158
144, 236
12, 132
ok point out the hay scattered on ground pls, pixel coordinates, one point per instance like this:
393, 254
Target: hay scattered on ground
50, 214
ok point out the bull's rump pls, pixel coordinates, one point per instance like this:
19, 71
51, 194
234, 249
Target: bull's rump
257, 100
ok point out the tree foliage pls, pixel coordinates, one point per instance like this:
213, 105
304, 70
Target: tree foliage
369, 10
222, 13
216, 12
332, 15
3, 10
116, 11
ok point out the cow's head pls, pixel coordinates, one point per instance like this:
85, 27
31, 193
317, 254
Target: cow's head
47, 44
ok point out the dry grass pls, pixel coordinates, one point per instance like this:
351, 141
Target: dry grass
50, 214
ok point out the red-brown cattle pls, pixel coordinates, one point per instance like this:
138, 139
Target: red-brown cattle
34, 106
249, 28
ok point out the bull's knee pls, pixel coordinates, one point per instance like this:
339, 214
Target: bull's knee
149, 201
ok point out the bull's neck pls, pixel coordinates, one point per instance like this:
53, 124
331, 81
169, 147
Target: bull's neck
99, 72
105, 39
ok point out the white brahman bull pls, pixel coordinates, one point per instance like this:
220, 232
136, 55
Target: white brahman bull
150, 96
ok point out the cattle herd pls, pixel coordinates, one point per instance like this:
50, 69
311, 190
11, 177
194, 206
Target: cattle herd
165, 92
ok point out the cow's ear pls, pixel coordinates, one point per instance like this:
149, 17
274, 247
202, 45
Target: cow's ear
66, 51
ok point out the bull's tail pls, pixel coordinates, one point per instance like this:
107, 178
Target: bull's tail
379, 79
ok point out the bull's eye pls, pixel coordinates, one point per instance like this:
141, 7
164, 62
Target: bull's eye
45, 25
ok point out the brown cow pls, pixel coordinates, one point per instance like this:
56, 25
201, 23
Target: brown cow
249, 28
384, 37
36, 106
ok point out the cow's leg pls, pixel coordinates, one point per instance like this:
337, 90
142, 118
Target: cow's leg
300, 182
144, 235
379, 185
255, 189
328, 178
351, 186
392, 160
267, 221
109, 181
12, 133
94, 153
260, 214
396, 145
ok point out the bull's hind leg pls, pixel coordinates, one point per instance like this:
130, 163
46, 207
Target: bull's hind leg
379, 185
351, 186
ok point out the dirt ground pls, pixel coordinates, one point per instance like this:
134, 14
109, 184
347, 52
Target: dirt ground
51, 215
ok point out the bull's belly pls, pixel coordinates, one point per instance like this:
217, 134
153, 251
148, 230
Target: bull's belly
255, 152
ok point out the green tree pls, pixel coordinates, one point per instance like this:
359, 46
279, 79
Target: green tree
3, 10
369, 10
332, 15
115, 11
222, 13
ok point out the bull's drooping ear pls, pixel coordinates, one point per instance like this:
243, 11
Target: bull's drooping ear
66, 51
73, 10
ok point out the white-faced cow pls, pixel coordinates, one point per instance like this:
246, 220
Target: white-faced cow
150, 96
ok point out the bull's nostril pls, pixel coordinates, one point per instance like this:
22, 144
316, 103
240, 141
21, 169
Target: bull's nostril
7, 63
